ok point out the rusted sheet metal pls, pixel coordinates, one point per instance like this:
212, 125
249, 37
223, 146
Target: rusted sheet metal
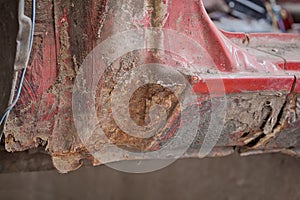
259, 73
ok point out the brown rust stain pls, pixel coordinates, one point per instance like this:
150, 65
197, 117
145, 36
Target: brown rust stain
252, 121
139, 106
26, 130
260, 119
159, 12
76, 24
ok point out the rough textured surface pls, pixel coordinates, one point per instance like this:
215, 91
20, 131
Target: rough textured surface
67, 31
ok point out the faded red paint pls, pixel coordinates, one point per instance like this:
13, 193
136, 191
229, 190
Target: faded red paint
237, 84
233, 58
237, 56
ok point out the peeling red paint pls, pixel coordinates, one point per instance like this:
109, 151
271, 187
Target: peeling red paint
254, 63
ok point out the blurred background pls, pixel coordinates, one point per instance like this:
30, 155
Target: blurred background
255, 15
271, 176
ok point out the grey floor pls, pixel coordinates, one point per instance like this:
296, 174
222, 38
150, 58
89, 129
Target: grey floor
271, 176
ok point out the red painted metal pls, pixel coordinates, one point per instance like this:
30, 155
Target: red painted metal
230, 55
238, 84
245, 63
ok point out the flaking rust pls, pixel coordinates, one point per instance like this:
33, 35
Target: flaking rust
30, 124
263, 118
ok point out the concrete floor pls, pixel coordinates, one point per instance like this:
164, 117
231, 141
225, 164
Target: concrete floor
272, 176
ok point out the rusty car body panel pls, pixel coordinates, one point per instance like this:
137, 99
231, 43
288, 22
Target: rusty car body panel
260, 73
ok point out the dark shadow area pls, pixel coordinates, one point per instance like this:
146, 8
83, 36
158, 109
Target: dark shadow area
8, 34
272, 176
